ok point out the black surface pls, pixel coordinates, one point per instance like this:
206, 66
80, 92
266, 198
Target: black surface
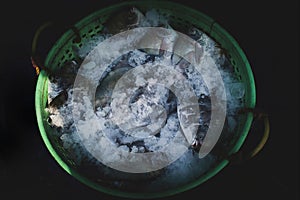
268, 32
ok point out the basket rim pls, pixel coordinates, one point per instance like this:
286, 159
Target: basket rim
41, 89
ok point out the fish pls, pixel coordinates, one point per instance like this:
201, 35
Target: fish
222, 51
59, 100
105, 88
123, 20
64, 76
196, 145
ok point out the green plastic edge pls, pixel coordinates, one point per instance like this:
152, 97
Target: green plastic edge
252, 93
39, 102
42, 85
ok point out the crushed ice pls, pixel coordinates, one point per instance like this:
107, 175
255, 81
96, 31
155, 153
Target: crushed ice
189, 165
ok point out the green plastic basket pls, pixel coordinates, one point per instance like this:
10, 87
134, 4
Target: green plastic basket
89, 27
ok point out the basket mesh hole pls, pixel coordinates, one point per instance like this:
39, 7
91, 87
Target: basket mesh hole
240, 77
233, 62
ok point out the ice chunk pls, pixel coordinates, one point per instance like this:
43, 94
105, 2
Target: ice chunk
124, 148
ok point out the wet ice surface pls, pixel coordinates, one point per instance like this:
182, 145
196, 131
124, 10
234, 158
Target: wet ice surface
188, 167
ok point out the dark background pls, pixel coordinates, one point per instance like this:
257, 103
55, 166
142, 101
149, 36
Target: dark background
268, 32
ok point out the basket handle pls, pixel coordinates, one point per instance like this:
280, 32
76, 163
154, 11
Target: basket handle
35, 61
35, 58
242, 155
